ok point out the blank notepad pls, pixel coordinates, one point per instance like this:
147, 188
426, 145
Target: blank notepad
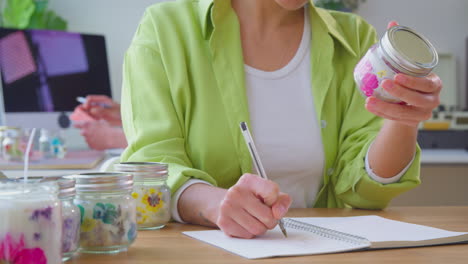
321, 235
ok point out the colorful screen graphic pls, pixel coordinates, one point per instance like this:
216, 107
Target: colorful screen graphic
44, 71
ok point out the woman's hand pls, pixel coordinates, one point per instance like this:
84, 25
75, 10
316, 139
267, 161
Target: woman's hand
248, 209
101, 107
421, 95
251, 207
99, 135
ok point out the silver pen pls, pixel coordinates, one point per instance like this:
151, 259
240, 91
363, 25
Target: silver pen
258, 164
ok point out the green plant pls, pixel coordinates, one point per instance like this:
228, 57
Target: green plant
30, 14
340, 5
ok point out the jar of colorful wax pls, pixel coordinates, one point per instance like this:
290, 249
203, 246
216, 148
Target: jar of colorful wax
150, 191
108, 212
71, 217
400, 50
30, 223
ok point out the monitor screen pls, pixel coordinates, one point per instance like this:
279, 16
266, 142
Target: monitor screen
45, 71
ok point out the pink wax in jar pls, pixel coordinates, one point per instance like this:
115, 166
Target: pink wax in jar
30, 223
400, 50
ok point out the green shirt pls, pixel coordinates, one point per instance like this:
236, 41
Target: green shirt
184, 96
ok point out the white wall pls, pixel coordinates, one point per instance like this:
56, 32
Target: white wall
117, 20
445, 23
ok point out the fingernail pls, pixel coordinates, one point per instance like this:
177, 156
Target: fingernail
401, 78
388, 85
371, 102
282, 210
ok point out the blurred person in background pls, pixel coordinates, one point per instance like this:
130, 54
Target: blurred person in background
100, 123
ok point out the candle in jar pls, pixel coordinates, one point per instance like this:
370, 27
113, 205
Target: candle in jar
400, 50
31, 223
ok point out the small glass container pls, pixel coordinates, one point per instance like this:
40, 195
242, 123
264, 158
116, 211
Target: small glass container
11, 145
108, 212
30, 222
400, 50
151, 193
71, 218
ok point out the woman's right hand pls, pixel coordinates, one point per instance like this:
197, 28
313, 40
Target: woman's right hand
251, 207
101, 107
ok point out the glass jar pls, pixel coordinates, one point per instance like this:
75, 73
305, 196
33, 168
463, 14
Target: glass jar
152, 195
71, 218
108, 212
400, 50
11, 144
30, 223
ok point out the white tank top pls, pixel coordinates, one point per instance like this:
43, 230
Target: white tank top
285, 127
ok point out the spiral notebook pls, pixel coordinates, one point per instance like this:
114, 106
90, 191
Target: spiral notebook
321, 235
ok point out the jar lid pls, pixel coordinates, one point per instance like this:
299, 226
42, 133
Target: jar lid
102, 181
66, 187
144, 170
409, 52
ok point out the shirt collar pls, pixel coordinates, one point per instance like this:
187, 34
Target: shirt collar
318, 16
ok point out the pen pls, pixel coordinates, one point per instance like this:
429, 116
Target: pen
258, 164
83, 100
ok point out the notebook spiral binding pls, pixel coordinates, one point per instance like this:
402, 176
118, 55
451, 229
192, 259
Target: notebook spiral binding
325, 232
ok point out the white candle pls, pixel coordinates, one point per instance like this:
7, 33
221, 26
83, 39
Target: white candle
30, 223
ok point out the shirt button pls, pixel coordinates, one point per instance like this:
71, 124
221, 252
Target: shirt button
330, 171
324, 124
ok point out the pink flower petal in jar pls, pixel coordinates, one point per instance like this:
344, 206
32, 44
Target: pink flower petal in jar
15, 253
364, 66
31, 256
9, 249
369, 83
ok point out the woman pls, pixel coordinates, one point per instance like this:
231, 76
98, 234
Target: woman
195, 69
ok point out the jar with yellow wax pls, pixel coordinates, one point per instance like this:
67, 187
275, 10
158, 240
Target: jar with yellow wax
152, 195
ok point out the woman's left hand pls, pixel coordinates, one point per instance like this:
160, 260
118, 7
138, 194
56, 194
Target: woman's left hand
421, 95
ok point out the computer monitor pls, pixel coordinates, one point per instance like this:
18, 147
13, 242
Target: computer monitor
44, 71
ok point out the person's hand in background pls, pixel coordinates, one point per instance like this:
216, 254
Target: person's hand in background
101, 107
100, 135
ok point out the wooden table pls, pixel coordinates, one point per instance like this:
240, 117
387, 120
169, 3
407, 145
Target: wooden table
169, 246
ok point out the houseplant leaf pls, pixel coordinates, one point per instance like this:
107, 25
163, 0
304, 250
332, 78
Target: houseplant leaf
17, 13
55, 22
41, 5
47, 20
38, 20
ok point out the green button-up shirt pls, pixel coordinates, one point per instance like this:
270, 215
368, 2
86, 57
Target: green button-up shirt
184, 96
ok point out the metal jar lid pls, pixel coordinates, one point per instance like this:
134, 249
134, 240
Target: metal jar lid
409, 52
103, 181
66, 187
144, 170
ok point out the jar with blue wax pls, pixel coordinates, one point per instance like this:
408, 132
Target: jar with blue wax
108, 212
